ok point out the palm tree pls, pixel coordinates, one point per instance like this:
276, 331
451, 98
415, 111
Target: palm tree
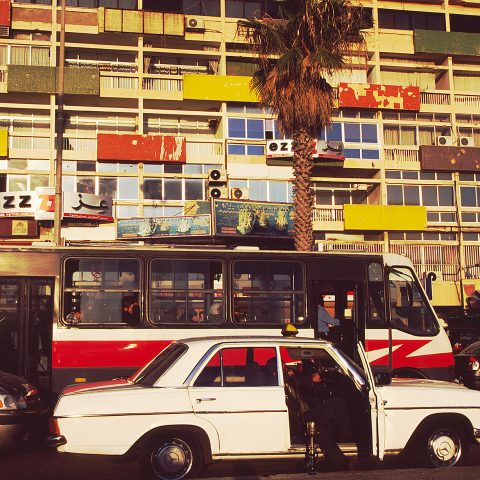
295, 55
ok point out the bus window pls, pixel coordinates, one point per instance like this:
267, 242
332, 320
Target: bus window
186, 292
376, 297
408, 308
268, 292
95, 290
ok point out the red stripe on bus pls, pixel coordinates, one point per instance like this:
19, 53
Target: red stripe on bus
104, 354
402, 355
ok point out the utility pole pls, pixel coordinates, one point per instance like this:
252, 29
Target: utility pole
59, 128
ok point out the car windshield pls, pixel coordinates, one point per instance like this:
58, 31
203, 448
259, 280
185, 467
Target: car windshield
474, 348
148, 375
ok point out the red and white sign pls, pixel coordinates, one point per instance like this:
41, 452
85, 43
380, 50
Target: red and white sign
87, 206
322, 149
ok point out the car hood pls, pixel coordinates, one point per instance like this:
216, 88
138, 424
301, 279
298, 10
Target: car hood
14, 385
421, 393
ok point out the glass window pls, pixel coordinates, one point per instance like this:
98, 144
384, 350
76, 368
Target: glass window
194, 189
107, 186
257, 190
369, 133
255, 150
240, 367
173, 189
429, 196
370, 154
127, 211
468, 196
394, 195
445, 196
255, 129
268, 293
278, 191
408, 308
128, 188
334, 133
186, 292
412, 195
236, 128
152, 189
236, 149
96, 289
86, 185
352, 132
351, 152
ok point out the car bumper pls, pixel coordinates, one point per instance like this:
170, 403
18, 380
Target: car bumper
56, 441
18, 427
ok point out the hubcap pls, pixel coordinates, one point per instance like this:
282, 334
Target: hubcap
172, 460
445, 448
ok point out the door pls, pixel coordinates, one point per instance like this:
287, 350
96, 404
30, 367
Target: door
377, 410
238, 392
26, 317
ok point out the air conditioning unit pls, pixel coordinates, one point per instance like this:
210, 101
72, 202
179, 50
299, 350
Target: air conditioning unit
443, 141
239, 193
4, 31
466, 142
194, 24
217, 192
217, 175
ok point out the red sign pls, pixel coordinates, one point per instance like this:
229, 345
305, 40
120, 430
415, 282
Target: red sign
141, 148
369, 95
5, 13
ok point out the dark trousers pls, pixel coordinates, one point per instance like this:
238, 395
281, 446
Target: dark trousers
330, 419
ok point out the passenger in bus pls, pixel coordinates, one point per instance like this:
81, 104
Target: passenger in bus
215, 314
74, 317
130, 310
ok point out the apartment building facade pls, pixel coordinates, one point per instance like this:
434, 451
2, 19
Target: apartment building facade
157, 97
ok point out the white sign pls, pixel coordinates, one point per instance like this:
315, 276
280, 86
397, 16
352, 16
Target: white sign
322, 148
17, 204
88, 206
45, 203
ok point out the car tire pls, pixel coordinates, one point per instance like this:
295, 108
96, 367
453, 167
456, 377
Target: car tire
172, 457
440, 445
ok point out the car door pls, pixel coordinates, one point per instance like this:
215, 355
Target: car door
377, 410
239, 393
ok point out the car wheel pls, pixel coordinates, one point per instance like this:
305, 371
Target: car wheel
442, 445
171, 458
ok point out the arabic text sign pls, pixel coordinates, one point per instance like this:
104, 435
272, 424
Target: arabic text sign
185, 226
87, 206
253, 219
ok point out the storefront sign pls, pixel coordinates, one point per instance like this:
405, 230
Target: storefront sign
182, 226
255, 219
322, 149
17, 204
87, 206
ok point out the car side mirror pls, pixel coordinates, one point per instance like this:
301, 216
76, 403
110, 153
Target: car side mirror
383, 378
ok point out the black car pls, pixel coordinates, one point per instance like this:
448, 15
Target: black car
467, 366
23, 413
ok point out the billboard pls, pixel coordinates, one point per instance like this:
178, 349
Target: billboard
253, 219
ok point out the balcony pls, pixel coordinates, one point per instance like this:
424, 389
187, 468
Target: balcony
167, 87
205, 151
434, 101
3, 79
328, 218
118, 85
79, 148
29, 145
103, 65
401, 157
466, 103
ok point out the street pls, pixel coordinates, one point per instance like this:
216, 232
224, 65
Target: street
34, 463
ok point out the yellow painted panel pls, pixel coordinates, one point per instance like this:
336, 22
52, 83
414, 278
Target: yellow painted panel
132, 21
153, 23
446, 294
113, 20
218, 87
3, 143
173, 24
384, 217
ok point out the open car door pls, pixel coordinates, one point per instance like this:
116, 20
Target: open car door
377, 411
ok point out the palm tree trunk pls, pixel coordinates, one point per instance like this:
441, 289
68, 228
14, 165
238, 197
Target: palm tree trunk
302, 146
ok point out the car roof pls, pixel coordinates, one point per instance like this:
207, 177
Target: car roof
215, 339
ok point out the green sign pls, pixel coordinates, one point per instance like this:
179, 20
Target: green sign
182, 226
253, 219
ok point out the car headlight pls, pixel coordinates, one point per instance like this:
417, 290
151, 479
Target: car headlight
12, 402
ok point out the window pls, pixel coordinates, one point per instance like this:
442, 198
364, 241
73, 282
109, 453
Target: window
240, 367
426, 195
405, 20
95, 289
188, 292
268, 293
408, 309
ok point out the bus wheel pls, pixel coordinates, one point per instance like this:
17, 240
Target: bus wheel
171, 458
441, 445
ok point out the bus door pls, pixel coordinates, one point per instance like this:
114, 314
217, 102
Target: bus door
337, 310
26, 313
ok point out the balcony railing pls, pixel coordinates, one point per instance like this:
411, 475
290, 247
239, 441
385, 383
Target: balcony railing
402, 155
434, 98
467, 100
163, 83
118, 82
103, 65
214, 150
80, 144
328, 214
28, 142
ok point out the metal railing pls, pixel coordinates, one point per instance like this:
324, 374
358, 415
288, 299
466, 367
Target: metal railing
328, 214
402, 155
163, 83
28, 142
80, 144
103, 65
205, 149
434, 98
118, 82
467, 100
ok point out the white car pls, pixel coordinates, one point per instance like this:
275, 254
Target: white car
202, 400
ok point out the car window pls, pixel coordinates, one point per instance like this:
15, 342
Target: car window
160, 364
473, 349
240, 367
